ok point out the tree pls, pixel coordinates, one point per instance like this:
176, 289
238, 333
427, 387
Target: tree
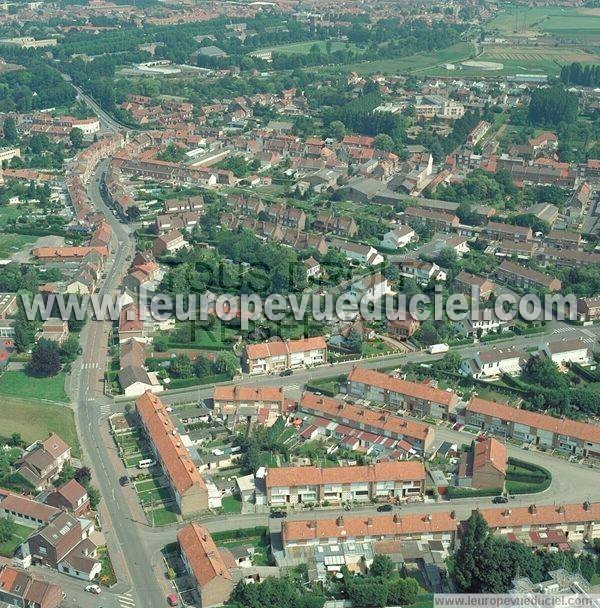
69, 349
447, 258
45, 359
202, 367
367, 592
10, 131
227, 363
181, 366
76, 137
7, 529
384, 142
552, 106
161, 344
83, 475
403, 592
381, 566
94, 496
337, 130
16, 441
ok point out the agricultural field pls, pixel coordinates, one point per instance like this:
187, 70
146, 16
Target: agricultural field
565, 23
530, 59
420, 62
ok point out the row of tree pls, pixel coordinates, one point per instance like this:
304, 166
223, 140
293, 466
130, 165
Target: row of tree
575, 73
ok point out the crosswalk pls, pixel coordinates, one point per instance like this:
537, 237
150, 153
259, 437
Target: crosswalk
564, 330
105, 409
90, 366
588, 337
126, 600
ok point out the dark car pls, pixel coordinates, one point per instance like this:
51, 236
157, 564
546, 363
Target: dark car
384, 508
124, 480
499, 500
286, 372
278, 514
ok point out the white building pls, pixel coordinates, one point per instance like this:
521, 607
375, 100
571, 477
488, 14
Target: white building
568, 350
494, 362
399, 237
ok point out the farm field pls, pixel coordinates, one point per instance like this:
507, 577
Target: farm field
412, 63
529, 59
35, 420
565, 23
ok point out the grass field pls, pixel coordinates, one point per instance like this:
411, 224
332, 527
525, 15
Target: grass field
564, 23
34, 420
412, 63
12, 212
303, 48
11, 243
19, 384
8, 548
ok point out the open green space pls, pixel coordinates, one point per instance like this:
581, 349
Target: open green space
12, 212
412, 63
20, 384
8, 548
12, 243
35, 420
162, 516
303, 48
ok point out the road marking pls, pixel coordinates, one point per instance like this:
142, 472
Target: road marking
126, 600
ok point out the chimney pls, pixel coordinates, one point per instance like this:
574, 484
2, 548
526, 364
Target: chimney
507, 512
452, 514
312, 524
397, 519
370, 521
586, 505
339, 522
532, 509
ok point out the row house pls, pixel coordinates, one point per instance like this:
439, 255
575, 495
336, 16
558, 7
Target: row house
438, 220
440, 526
290, 217
475, 136
207, 566
180, 205
25, 511
417, 437
301, 241
573, 522
567, 257
185, 481
284, 354
67, 254
570, 436
497, 231
247, 206
525, 278
169, 243
563, 239
418, 398
518, 249
468, 283
243, 404
185, 220
383, 481
339, 225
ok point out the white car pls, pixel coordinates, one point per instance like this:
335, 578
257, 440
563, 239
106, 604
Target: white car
93, 589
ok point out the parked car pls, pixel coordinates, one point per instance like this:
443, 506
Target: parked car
173, 600
384, 508
278, 514
124, 480
286, 372
499, 500
95, 589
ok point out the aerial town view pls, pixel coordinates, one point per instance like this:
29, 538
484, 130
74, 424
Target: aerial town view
299, 303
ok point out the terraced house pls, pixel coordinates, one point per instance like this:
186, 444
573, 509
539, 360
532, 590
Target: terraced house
580, 438
187, 485
383, 481
413, 437
415, 397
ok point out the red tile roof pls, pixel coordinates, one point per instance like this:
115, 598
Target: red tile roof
173, 454
248, 393
381, 471
543, 515
376, 525
492, 451
563, 426
280, 347
371, 377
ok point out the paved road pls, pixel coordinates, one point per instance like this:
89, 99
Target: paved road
138, 585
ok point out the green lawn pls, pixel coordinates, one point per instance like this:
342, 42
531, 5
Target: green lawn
231, 504
12, 243
12, 212
8, 548
19, 384
34, 420
162, 516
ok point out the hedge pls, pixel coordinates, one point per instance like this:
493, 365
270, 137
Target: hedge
239, 533
198, 346
525, 331
526, 488
188, 382
454, 492
538, 479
